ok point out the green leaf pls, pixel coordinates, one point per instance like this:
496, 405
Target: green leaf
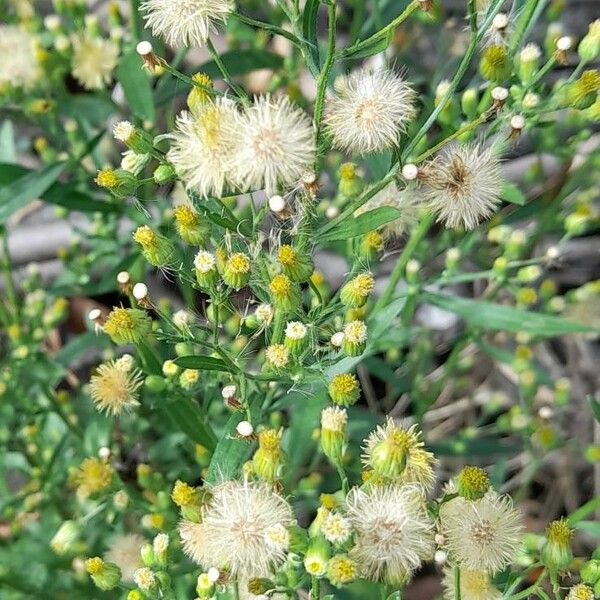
136, 86
590, 527
375, 47
69, 197
230, 454
309, 27
8, 150
395, 596
504, 318
187, 417
353, 226
203, 363
78, 346
23, 190
512, 194
595, 406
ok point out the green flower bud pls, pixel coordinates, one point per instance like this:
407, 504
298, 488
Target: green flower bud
106, 576
371, 245
341, 570
556, 553
269, 457
134, 138
64, 539
351, 184
528, 62
164, 174
355, 293
317, 557
200, 93
205, 587
298, 266
191, 227
147, 554
473, 483
127, 325
469, 103
260, 585
355, 338
590, 572
582, 94
344, 389
495, 64
236, 273
589, 47
333, 433
284, 293
157, 249
155, 383
296, 337
118, 182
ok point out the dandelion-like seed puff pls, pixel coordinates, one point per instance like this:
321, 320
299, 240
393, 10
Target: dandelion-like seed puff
463, 185
185, 22
203, 146
124, 552
369, 111
114, 387
393, 532
482, 534
241, 530
19, 65
94, 60
277, 144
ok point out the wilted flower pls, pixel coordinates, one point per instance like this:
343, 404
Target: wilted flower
114, 387
277, 144
336, 528
482, 534
94, 60
124, 552
463, 185
185, 22
203, 146
393, 532
19, 65
369, 111
234, 529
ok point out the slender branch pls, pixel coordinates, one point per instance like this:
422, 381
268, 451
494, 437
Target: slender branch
382, 33
272, 28
456, 583
239, 92
136, 21
326, 70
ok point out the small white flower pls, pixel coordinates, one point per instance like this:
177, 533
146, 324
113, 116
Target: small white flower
530, 53
140, 291
278, 536
410, 172
160, 543
336, 528
295, 330
499, 94
124, 551
234, 529
204, 261
132, 162
483, 534
564, 43
19, 65
145, 579
213, 574
394, 534
355, 332
228, 392
123, 130
278, 355
277, 203
370, 111
337, 339
277, 144
94, 60
463, 185
334, 418
517, 122
183, 318
203, 146
264, 313
185, 22
245, 428
531, 100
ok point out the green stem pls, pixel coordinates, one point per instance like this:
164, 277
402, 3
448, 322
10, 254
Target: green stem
326, 70
525, 18
9, 284
239, 92
460, 73
417, 235
315, 589
382, 33
136, 21
456, 583
582, 512
343, 478
268, 27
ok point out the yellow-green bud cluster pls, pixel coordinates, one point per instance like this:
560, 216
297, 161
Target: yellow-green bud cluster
157, 249
473, 483
297, 265
191, 227
127, 325
354, 294
269, 457
355, 338
495, 64
236, 273
333, 433
557, 553
284, 293
106, 576
344, 389
118, 182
